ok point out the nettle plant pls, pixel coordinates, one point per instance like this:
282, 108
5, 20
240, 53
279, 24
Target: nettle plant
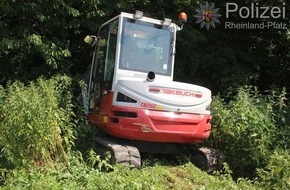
249, 128
35, 125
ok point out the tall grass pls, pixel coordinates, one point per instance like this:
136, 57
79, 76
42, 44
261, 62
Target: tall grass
250, 130
35, 125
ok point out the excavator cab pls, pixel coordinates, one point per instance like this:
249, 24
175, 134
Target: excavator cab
129, 46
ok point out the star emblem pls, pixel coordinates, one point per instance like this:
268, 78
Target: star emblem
207, 15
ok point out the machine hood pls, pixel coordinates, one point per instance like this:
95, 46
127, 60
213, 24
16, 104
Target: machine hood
163, 95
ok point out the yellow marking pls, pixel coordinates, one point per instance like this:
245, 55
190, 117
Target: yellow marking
159, 107
105, 119
144, 127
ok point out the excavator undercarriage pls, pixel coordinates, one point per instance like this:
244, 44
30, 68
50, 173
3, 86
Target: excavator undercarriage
129, 152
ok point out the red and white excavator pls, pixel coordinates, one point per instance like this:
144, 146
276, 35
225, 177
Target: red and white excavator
132, 97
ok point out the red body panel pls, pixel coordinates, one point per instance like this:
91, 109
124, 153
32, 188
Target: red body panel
150, 125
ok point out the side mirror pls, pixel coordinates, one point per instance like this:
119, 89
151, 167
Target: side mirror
182, 19
91, 40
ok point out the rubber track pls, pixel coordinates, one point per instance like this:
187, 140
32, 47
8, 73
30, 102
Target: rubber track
121, 153
213, 158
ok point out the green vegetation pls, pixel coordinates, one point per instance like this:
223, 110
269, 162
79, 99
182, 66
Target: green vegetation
35, 122
251, 126
157, 177
45, 143
251, 130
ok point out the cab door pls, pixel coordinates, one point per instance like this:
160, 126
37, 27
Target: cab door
102, 69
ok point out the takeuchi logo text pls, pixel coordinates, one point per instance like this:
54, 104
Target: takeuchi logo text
207, 15
175, 92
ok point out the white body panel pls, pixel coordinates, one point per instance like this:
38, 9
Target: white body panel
165, 96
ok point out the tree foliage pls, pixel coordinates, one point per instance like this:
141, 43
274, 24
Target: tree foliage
221, 58
41, 37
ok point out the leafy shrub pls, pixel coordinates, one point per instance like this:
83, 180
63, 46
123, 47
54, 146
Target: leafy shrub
281, 115
247, 129
276, 174
35, 121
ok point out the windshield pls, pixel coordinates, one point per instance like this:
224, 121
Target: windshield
146, 47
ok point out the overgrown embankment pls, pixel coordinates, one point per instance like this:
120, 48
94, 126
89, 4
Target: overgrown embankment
45, 144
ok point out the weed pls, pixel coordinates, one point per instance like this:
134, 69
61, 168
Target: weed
35, 122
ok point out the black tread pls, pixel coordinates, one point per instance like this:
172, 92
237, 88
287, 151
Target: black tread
208, 159
121, 152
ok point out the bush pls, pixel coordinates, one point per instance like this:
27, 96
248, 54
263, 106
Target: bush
35, 121
276, 174
248, 129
